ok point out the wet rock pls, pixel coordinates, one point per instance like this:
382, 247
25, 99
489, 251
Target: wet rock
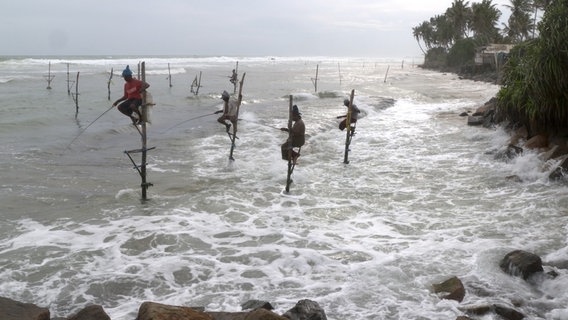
508, 153
453, 286
508, 313
521, 263
539, 141
256, 304
94, 312
157, 311
262, 314
228, 315
477, 310
306, 310
475, 120
14, 310
561, 170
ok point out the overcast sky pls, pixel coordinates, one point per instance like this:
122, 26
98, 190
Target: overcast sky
369, 28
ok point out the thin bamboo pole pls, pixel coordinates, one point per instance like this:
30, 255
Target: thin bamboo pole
109, 82
49, 76
315, 80
349, 133
169, 75
144, 185
68, 82
290, 164
77, 96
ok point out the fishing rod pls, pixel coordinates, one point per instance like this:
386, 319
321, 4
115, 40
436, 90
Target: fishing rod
80, 133
205, 115
260, 124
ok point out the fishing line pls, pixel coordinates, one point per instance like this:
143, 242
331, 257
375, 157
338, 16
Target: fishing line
80, 133
205, 115
260, 124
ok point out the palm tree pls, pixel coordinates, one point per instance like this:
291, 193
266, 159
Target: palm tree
422, 31
519, 23
538, 4
485, 16
459, 14
443, 34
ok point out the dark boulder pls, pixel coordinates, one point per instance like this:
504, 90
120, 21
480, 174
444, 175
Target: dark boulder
157, 311
453, 287
94, 312
256, 304
306, 310
521, 263
14, 310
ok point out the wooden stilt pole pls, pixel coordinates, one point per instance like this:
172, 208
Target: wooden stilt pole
290, 162
109, 82
77, 96
239, 101
49, 76
169, 75
144, 184
198, 84
386, 74
144, 111
349, 134
339, 69
315, 80
68, 82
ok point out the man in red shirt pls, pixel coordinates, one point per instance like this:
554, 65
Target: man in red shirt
132, 96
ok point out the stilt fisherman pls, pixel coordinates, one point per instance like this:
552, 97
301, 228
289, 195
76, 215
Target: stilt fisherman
132, 97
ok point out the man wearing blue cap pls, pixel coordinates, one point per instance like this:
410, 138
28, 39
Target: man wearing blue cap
296, 138
132, 96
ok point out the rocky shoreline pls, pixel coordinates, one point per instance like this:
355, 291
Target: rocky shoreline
517, 263
550, 146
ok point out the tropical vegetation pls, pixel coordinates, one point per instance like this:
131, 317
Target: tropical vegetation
534, 90
534, 80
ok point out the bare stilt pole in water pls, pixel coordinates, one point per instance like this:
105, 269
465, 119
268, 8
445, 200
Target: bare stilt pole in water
196, 84
109, 82
350, 130
339, 69
233, 136
49, 76
315, 80
76, 96
68, 82
386, 74
169, 75
142, 167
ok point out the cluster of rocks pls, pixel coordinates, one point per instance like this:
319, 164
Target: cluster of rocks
516, 263
549, 147
254, 310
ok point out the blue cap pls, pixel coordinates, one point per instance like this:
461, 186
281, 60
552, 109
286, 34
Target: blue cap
126, 72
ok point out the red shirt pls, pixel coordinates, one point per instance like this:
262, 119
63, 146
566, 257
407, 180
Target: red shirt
132, 89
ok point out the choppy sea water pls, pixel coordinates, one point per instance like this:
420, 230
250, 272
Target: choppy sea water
422, 199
